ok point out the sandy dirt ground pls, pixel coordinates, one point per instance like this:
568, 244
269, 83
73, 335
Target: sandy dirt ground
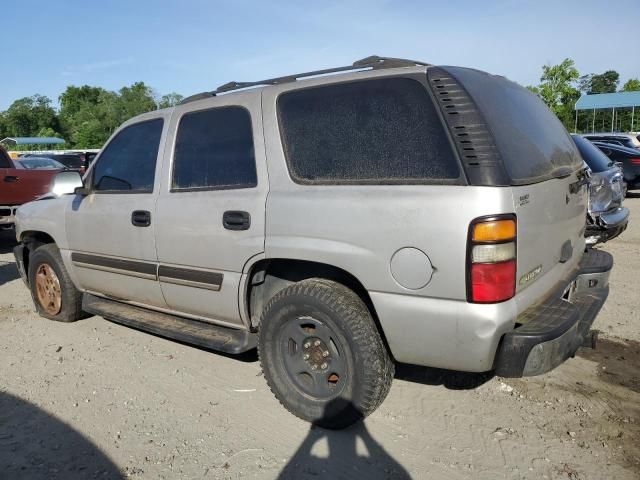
94, 399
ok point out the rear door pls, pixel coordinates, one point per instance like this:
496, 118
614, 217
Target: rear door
543, 168
211, 207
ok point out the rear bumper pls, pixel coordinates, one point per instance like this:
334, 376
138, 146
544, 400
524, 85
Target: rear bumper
607, 225
553, 330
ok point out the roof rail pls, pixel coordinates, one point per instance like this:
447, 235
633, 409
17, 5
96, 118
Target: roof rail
373, 62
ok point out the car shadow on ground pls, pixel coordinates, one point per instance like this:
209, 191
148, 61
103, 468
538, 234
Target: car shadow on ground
437, 376
351, 453
8, 272
35, 445
7, 241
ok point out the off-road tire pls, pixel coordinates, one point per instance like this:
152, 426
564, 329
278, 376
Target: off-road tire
370, 368
71, 305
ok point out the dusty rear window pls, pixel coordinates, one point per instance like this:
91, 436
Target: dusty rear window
531, 140
380, 131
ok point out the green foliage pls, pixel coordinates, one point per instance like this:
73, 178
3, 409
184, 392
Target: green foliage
606, 82
28, 115
134, 100
4, 129
87, 116
170, 100
631, 85
558, 90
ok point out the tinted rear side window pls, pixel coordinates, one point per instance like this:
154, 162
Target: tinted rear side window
597, 161
531, 140
382, 131
214, 150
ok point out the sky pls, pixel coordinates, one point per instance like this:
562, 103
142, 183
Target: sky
189, 46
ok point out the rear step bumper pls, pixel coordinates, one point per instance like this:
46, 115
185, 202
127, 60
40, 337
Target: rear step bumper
553, 331
186, 330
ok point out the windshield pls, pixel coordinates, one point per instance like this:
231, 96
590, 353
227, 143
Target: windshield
597, 161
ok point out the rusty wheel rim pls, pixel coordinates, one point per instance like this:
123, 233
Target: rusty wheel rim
48, 289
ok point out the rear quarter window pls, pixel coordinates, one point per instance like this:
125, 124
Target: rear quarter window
531, 140
379, 131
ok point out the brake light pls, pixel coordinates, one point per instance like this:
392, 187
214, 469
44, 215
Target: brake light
635, 161
491, 261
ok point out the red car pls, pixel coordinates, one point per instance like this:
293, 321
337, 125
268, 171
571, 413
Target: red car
18, 186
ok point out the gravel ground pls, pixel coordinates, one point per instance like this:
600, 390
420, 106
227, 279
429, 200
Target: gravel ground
95, 399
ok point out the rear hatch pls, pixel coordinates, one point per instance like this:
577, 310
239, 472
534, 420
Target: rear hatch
525, 147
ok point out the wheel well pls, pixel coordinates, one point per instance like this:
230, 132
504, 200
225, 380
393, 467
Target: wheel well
31, 241
268, 277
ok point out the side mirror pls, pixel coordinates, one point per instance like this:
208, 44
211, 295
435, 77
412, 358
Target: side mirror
65, 183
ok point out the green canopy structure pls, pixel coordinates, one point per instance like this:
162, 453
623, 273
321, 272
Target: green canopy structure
606, 101
32, 141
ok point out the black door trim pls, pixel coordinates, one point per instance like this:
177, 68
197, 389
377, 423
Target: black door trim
176, 275
115, 265
190, 278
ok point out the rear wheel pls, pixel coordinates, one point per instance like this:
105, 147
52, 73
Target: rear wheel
322, 355
54, 295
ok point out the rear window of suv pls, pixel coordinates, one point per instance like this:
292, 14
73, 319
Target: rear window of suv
531, 140
380, 131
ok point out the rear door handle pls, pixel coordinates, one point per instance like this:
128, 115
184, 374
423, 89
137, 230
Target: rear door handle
11, 178
141, 218
236, 220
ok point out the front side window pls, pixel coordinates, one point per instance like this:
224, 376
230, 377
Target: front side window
214, 150
381, 131
128, 162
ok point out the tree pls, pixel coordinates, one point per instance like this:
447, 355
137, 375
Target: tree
134, 100
170, 100
26, 116
606, 82
88, 115
631, 85
558, 90
4, 132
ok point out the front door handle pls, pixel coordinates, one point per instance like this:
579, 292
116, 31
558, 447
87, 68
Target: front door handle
11, 179
140, 218
236, 220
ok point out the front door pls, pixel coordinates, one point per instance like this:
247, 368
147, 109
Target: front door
211, 206
110, 232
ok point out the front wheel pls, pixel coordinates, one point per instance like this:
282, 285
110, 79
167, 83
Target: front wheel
54, 294
322, 355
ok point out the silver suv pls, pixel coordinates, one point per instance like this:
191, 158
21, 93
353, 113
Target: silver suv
389, 211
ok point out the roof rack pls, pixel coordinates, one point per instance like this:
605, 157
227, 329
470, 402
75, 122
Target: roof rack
373, 62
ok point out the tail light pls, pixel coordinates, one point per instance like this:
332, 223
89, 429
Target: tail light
491, 259
635, 161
